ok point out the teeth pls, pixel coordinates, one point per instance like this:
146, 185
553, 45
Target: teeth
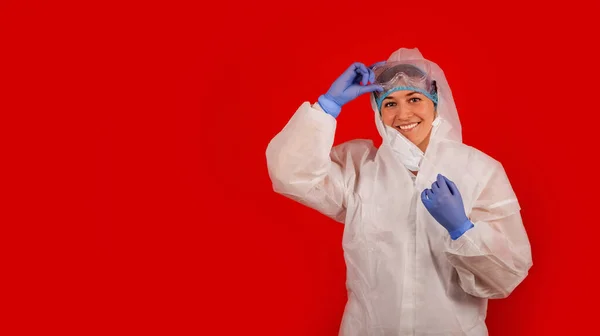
407, 127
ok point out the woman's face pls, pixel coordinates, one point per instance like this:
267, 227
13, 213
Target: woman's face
410, 113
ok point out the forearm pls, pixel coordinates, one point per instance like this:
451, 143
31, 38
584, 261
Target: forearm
491, 263
299, 156
300, 165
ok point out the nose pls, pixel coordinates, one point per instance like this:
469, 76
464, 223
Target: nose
403, 112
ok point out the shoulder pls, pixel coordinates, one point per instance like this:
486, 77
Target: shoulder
486, 169
474, 161
477, 156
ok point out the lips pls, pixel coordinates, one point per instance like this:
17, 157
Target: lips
407, 127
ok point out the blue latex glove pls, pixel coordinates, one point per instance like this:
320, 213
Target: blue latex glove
351, 84
444, 203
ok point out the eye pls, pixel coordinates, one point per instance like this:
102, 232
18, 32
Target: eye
389, 104
414, 100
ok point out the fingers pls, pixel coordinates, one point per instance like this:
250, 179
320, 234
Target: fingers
426, 201
441, 181
353, 72
435, 188
372, 73
358, 73
365, 77
361, 69
429, 194
370, 88
453, 188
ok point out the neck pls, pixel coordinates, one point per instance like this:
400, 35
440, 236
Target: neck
423, 145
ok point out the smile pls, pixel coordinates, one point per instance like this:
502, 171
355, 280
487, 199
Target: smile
408, 127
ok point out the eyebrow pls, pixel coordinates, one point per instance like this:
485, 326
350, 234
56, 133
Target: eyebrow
408, 95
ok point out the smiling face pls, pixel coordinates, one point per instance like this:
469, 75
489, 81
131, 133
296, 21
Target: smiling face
410, 113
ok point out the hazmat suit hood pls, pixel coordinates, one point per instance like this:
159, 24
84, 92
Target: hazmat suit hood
446, 125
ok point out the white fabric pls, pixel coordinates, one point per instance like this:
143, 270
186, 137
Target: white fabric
405, 276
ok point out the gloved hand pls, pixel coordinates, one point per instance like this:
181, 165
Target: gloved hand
351, 84
444, 203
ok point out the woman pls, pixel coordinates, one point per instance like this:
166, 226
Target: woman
432, 226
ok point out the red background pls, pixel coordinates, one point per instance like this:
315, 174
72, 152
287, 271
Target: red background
137, 199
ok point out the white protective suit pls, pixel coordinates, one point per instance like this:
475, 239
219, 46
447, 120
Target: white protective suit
405, 275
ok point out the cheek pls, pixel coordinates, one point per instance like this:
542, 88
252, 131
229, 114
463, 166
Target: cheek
427, 114
387, 117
